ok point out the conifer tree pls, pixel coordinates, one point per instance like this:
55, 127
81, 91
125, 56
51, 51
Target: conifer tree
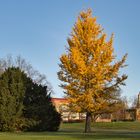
89, 70
12, 91
40, 113
25, 105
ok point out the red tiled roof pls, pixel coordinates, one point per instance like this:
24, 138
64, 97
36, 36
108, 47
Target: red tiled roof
59, 99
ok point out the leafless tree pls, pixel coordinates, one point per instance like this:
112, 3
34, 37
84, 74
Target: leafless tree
25, 66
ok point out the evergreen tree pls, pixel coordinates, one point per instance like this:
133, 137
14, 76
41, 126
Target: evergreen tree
39, 112
88, 69
25, 105
12, 92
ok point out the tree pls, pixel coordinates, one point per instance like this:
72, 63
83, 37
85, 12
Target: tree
39, 111
12, 92
25, 105
88, 70
134, 102
115, 105
25, 66
119, 113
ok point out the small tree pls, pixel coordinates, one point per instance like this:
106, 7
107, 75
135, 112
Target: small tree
88, 69
119, 113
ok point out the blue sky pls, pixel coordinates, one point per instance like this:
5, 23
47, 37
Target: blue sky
37, 30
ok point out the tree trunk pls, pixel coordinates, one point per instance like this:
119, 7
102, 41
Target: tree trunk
88, 123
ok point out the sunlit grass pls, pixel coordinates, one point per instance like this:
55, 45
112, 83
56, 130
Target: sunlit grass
74, 131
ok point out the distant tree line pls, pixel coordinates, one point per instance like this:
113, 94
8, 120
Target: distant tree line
25, 103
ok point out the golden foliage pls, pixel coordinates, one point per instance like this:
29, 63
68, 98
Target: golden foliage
89, 71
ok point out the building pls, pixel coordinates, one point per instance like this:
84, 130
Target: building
131, 114
61, 105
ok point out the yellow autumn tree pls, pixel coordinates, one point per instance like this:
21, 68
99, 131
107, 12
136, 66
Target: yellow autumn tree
88, 69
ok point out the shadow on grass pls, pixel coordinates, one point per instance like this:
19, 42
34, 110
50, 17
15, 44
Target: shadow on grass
75, 135
107, 134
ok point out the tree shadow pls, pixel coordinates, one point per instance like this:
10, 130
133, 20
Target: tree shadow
101, 134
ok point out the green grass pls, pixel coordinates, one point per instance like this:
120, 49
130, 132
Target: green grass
74, 131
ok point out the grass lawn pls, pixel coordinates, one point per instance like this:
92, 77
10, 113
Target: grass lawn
74, 131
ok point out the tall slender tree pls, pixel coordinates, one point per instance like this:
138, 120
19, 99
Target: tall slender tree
12, 91
89, 71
